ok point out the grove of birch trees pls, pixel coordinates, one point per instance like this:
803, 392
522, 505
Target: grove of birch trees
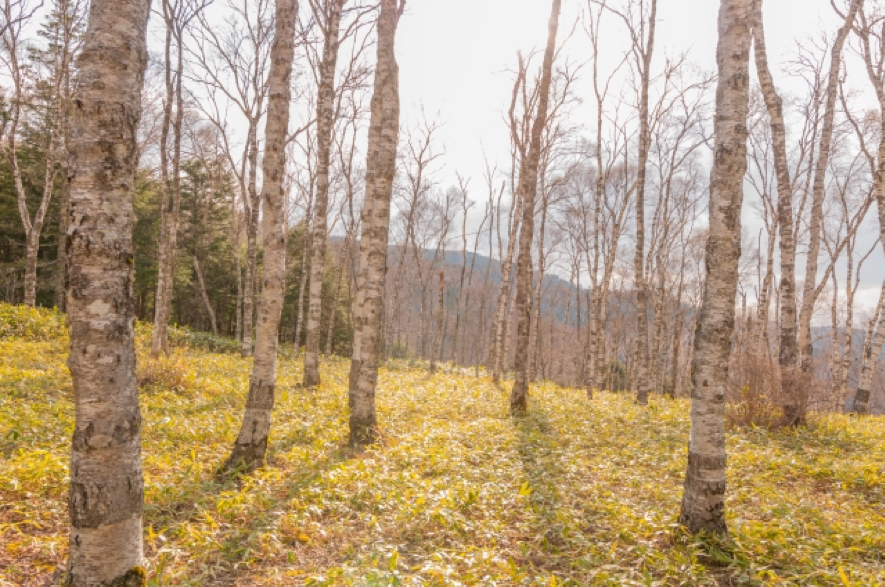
245, 170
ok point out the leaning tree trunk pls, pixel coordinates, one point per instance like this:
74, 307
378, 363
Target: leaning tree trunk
325, 121
380, 171
107, 488
703, 503
251, 445
788, 352
528, 186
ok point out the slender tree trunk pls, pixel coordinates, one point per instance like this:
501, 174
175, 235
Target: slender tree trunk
61, 270
848, 340
795, 407
642, 383
205, 296
788, 351
251, 445
871, 349
535, 333
305, 274
325, 122
171, 199
107, 488
499, 329
252, 212
238, 267
380, 171
528, 186
436, 352
330, 334
703, 503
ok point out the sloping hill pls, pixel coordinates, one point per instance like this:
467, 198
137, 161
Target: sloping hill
578, 492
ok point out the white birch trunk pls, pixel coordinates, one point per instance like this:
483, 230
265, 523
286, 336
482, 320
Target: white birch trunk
106, 483
795, 407
251, 446
325, 121
380, 171
703, 503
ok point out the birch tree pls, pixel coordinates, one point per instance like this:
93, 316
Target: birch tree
251, 445
375, 227
328, 17
528, 186
16, 15
795, 406
177, 14
106, 484
703, 504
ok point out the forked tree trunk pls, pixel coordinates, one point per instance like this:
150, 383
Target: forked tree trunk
107, 488
325, 121
703, 503
380, 171
251, 446
788, 352
528, 186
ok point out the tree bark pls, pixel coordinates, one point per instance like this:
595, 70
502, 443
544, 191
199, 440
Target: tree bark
871, 349
305, 272
703, 504
170, 207
380, 171
642, 358
251, 446
325, 122
436, 352
253, 205
794, 410
106, 488
788, 348
205, 296
528, 186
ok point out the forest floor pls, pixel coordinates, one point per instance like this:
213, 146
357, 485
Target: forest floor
577, 492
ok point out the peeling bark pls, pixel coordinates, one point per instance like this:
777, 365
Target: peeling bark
251, 446
375, 229
703, 500
106, 484
325, 121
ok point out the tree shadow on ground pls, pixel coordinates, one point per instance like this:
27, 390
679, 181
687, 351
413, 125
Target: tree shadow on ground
537, 445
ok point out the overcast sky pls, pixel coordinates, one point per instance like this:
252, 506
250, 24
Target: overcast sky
455, 57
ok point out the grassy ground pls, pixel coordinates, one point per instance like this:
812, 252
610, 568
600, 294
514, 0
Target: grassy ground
577, 493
